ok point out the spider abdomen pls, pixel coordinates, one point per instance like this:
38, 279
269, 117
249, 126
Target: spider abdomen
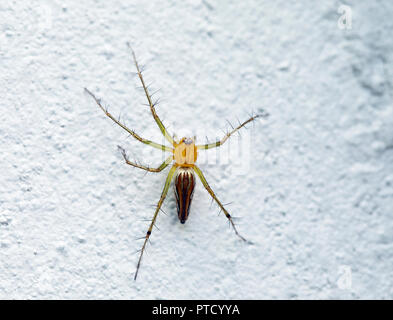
184, 190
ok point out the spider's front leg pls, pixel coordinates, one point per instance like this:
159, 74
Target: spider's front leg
131, 132
222, 141
137, 165
164, 131
206, 185
159, 204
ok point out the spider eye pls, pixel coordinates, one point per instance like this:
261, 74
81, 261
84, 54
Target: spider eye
188, 141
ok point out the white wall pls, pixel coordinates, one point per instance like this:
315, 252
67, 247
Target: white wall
313, 188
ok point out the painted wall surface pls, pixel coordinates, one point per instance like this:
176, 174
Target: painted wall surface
311, 186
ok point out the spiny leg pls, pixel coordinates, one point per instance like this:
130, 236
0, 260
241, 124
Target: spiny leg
160, 168
131, 132
148, 233
221, 142
151, 104
206, 185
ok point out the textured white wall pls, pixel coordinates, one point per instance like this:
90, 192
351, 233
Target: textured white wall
315, 195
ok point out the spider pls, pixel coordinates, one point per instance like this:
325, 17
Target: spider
184, 153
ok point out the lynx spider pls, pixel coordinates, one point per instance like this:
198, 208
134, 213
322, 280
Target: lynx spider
184, 154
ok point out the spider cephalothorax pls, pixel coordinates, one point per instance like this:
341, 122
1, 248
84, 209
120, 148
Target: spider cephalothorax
184, 154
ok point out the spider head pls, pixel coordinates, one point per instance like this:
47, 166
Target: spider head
185, 152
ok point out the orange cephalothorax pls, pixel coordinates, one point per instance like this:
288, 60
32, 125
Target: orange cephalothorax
185, 153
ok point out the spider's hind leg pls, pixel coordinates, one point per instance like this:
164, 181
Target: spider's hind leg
159, 204
206, 185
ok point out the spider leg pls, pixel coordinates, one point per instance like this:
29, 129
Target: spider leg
134, 164
206, 185
131, 132
221, 142
148, 233
151, 104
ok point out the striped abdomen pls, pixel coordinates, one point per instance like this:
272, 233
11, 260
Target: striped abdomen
184, 189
